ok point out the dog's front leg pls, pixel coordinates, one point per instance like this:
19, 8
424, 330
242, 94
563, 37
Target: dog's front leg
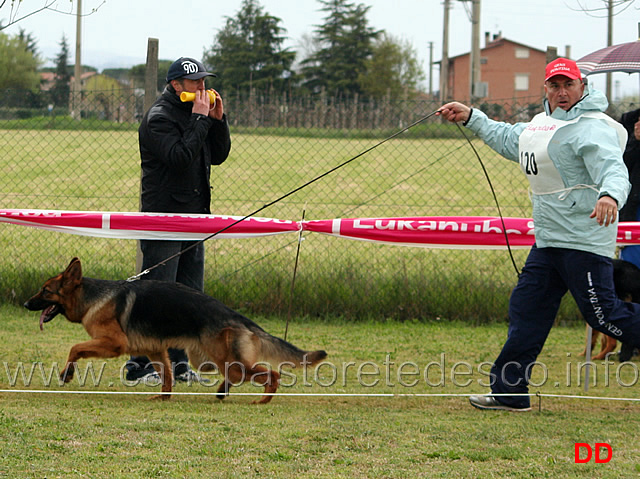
96, 348
162, 365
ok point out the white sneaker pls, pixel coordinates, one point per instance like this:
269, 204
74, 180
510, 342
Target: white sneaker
189, 376
151, 379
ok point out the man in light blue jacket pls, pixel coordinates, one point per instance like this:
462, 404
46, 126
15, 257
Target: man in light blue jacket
572, 155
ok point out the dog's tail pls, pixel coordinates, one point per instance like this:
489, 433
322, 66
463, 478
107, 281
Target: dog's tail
277, 351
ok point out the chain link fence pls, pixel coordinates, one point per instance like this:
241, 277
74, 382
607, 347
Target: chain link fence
91, 163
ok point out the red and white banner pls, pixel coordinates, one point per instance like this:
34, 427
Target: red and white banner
155, 226
464, 232
432, 232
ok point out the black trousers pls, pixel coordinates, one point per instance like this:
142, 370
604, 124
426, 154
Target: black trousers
188, 269
547, 275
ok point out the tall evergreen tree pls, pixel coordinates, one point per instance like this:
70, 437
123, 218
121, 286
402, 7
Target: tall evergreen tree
62, 82
247, 52
29, 41
346, 41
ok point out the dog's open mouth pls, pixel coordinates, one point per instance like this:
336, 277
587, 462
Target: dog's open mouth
49, 313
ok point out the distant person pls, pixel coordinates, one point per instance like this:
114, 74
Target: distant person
179, 142
631, 210
572, 155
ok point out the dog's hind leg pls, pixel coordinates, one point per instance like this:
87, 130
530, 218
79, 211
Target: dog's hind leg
268, 377
234, 374
237, 373
203, 363
608, 345
223, 390
235, 353
160, 361
219, 349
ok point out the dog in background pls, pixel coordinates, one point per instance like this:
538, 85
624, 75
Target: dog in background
626, 278
147, 317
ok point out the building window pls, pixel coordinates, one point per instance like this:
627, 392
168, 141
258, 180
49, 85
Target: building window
522, 82
522, 52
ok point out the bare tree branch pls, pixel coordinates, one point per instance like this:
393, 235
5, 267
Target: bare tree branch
602, 12
48, 5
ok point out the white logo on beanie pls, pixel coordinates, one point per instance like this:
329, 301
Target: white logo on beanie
189, 67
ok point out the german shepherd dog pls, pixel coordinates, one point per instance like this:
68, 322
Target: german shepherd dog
626, 279
147, 317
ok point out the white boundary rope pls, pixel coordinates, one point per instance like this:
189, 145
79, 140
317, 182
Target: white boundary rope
389, 395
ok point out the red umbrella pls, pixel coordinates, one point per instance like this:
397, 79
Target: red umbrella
624, 57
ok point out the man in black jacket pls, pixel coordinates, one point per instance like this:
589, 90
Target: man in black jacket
631, 210
631, 122
179, 141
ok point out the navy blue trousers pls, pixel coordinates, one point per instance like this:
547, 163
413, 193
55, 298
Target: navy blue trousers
188, 269
547, 275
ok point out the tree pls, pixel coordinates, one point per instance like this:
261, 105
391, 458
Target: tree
29, 41
62, 81
393, 67
248, 52
138, 73
606, 7
346, 43
103, 96
18, 64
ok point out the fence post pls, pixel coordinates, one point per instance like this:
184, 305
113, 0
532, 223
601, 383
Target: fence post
151, 74
150, 92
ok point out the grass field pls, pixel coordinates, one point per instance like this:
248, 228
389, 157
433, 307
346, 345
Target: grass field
340, 429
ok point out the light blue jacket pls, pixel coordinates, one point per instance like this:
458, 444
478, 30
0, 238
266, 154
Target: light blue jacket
587, 152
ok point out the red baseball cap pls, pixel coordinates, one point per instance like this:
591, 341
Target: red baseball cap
564, 67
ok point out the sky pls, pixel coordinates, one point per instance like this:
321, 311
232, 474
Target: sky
115, 33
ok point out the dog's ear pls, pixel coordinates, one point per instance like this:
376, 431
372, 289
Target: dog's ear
73, 272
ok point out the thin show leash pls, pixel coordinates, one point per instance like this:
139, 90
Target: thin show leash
495, 199
326, 173
295, 273
335, 168
345, 212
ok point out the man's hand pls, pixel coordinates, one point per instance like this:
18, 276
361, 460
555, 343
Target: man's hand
454, 112
217, 110
201, 103
606, 211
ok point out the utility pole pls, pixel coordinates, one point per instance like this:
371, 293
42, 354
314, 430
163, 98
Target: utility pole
76, 88
475, 48
430, 68
150, 93
444, 63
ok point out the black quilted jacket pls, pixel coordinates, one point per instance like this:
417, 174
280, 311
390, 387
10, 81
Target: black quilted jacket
177, 149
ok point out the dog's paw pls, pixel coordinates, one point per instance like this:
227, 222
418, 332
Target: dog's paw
223, 391
160, 397
66, 375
